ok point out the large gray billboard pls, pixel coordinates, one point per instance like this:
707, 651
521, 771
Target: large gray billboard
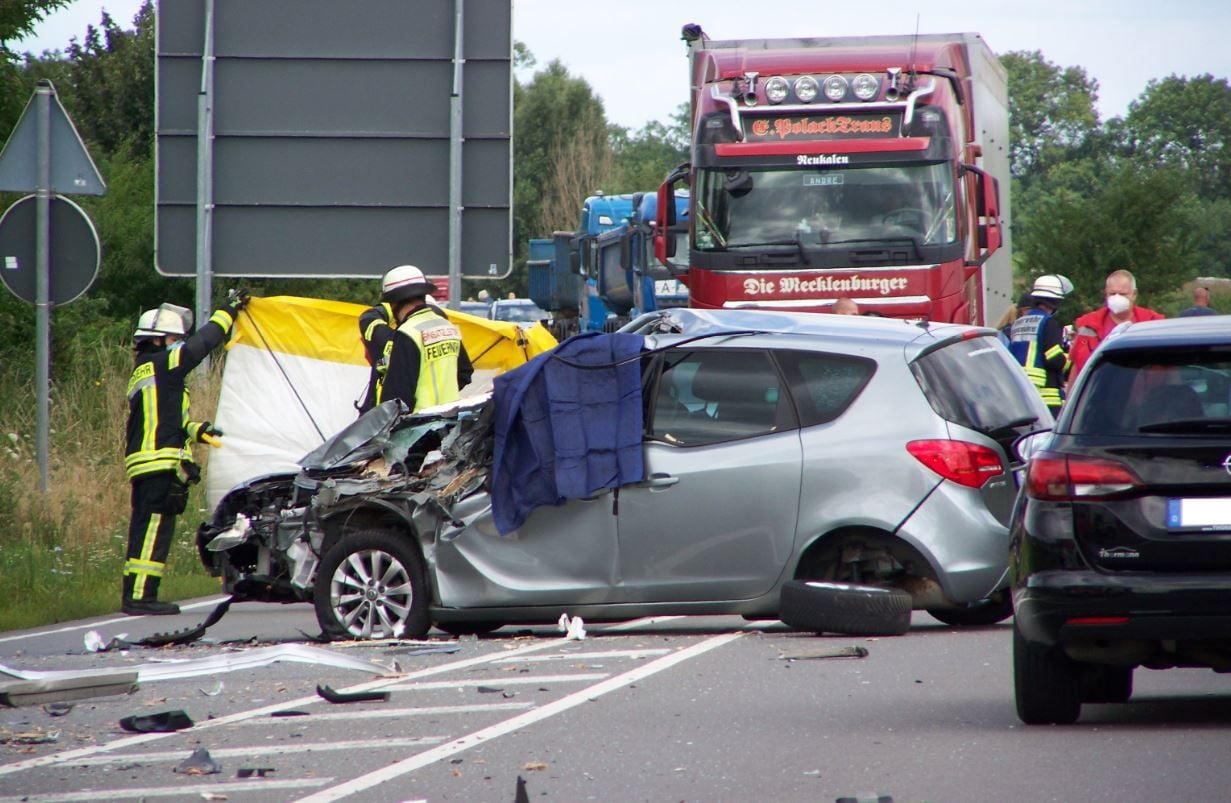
331, 136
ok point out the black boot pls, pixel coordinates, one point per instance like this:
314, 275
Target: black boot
147, 606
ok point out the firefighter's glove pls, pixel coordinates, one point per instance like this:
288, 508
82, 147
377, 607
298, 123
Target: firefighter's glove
237, 300
190, 472
209, 434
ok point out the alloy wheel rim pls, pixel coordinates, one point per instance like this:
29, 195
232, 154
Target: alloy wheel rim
371, 594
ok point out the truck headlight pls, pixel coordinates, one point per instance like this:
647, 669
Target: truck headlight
806, 89
865, 86
835, 87
776, 89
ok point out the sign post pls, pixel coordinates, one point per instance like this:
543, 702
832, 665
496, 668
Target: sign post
45, 155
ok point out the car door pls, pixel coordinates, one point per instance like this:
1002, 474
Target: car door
715, 516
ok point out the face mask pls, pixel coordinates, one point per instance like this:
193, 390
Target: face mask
1118, 304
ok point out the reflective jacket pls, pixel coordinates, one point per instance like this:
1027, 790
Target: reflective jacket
381, 341
159, 433
1036, 340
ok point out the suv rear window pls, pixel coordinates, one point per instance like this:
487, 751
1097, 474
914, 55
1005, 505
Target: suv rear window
976, 383
1155, 392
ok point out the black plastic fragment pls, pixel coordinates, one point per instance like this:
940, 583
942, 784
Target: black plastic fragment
289, 713
162, 722
186, 635
352, 696
248, 772
199, 763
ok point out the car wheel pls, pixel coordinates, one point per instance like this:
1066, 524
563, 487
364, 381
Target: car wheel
855, 610
1107, 684
469, 628
1046, 683
371, 585
988, 611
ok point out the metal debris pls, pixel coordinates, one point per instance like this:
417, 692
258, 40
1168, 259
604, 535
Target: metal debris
162, 722
199, 763
36, 690
352, 697
828, 652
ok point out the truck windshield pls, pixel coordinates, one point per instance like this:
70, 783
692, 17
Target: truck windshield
809, 207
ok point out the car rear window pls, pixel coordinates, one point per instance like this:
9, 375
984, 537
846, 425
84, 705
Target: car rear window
976, 383
1155, 392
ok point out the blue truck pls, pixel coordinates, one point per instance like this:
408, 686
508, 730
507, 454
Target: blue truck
597, 278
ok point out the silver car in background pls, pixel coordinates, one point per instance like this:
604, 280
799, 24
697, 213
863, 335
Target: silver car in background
832, 471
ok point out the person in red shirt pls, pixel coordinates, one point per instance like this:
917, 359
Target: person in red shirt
1120, 292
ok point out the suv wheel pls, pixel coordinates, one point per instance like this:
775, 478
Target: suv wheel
988, 611
1046, 682
854, 610
1107, 684
371, 585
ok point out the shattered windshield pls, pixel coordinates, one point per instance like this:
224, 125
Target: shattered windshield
824, 206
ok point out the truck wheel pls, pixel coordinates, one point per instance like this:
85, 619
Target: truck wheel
1107, 684
371, 584
853, 610
1046, 682
988, 611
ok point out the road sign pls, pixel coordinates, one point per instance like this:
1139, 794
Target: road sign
72, 169
331, 136
74, 256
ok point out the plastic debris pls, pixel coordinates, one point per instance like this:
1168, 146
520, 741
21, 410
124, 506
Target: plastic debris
249, 772
573, 628
162, 722
214, 692
213, 796
289, 713
534, 766
36, 736
352, 697
56, 690
427, 650
57, 709
828, 652
199, 763
489, 690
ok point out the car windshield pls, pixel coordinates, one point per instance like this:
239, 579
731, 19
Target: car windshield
823, 206
1156, 392
520, 313
976, 383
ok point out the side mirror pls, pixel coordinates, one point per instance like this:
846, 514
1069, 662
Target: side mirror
667, 226
987, 212
1030, 444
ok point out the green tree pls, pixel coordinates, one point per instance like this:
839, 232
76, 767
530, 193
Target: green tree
643, 158
1185, 123
1051, 110
18, 19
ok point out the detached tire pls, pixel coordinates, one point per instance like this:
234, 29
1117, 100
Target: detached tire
1047, 683
370, 585
853, 610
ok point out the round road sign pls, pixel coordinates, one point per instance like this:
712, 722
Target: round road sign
74, 257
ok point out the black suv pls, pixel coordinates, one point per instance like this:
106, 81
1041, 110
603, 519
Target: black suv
1121, 538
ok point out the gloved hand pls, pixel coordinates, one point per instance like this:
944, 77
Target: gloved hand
209, 434
236, 300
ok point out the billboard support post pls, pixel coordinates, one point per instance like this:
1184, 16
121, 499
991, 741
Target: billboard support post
205, 172
455, 162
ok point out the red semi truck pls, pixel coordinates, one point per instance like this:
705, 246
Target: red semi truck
874, 168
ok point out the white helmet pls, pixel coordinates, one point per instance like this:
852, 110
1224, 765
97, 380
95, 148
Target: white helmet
404, 281
1051, 286
166, 319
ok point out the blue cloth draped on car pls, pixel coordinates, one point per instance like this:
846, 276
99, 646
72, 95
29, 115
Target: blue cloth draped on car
568, 424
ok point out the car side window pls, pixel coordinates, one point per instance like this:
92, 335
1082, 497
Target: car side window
703, 397
824, 385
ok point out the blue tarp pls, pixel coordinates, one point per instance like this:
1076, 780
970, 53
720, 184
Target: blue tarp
564, 432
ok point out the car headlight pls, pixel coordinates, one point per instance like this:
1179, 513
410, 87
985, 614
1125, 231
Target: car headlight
806, 89
835, 87
776, 89
865, 86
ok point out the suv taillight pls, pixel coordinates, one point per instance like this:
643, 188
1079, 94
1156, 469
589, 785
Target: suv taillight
966, 464
1062, 478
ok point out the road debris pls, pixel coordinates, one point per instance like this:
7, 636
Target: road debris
36, 690
258, 772
35, 736
162, 722
199, 763
94, 641
214, 692
828, 652
573, 628
57, 709
353, 696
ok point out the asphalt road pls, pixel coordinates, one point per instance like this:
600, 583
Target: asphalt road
673, 709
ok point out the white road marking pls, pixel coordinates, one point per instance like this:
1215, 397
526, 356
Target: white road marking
415, 762
579, 656
129, 741
498, 682
208, 603
258, 750
182, 792
387, 713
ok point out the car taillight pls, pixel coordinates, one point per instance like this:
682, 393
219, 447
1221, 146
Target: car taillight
1061, 478
966, 464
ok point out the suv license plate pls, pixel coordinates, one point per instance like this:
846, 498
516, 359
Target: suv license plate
1202, 514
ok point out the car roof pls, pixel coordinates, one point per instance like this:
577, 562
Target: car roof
1206, 330
803, 327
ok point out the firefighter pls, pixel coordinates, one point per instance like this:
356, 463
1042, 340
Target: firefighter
416, 352
158, 452
1036, 339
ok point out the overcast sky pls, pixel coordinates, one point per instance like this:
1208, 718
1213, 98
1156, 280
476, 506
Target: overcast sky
631, 54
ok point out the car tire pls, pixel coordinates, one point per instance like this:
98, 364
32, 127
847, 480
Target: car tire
469, 628
370, 583
1046, 683
853, 610
984, 612
1107, 684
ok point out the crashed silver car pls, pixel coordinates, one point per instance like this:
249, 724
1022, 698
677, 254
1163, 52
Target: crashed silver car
832, 471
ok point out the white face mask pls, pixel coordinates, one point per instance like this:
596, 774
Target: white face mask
1118, 304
